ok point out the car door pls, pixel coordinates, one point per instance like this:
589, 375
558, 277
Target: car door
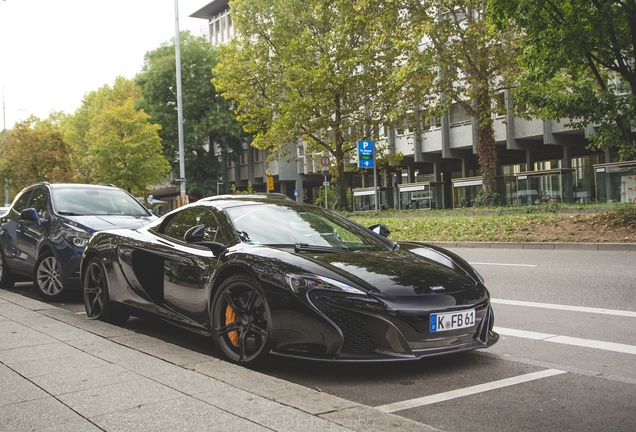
188, 274
31, 233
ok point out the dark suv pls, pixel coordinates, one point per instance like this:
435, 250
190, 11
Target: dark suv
44, 233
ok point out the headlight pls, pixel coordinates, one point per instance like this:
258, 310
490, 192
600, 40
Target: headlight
76, 238
303, 282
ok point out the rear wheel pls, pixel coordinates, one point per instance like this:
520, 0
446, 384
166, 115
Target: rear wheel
96, 299
240, 321
47, 278
6, 278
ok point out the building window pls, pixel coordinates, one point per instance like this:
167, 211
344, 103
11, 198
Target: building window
458, 115
257, 155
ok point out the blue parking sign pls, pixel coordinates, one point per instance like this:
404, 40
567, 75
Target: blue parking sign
366, 154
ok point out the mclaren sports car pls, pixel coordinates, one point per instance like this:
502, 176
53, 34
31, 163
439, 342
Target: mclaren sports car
263, 274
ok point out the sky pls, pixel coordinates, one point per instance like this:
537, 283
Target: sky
53, 52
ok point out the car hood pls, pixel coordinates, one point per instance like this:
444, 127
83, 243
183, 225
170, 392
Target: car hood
413, 270
104, 222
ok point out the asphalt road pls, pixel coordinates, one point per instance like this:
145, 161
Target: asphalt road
566, 360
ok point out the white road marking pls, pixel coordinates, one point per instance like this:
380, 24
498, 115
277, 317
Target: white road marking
586, 343
480, 388
503, 264
615, 312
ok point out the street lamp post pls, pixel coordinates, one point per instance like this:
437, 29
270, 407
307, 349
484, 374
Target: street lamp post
182, 177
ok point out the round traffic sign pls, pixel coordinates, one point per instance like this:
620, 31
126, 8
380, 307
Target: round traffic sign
324, 161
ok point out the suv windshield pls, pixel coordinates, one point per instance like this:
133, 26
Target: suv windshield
276, 224
95, 201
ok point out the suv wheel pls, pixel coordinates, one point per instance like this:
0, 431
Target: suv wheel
47, 278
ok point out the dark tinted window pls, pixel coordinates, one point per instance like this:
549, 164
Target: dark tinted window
40, 202
96, 201
21, 202
182, 221
278, 224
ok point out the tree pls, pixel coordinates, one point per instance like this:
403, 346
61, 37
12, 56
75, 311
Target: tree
316, 70
36, 151
207, 117
114, 142
471, 62
579, 63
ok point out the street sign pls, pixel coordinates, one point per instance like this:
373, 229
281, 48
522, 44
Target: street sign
295, 192
325, 184
324, 161
270, 183
366, 156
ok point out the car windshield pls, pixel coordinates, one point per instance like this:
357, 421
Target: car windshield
277, 224
95, 201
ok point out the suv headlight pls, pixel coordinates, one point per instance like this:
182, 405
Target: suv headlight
75, 237
304, 282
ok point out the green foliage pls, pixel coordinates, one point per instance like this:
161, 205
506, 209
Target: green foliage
249, 190
465, 59
35, 151
319, 70
578, 60
332, 197
115, 143
489, 226
207, 117
623, 216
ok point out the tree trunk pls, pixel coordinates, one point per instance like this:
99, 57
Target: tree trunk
341, 182
486, 151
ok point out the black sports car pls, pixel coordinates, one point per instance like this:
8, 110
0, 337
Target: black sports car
262, 274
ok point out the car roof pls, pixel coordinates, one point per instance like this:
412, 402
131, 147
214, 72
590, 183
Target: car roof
79, 186
248, 197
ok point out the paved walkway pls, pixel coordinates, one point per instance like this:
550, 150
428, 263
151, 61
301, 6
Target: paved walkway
60, 371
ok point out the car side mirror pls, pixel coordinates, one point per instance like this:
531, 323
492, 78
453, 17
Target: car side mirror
380, 229
195, 236
31, 214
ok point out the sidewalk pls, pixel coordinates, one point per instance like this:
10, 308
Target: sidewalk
60, 371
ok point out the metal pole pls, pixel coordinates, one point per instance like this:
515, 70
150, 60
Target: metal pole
4, 146
376, 193
179, 102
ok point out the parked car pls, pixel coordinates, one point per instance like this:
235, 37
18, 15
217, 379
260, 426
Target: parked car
261, 275
44, 233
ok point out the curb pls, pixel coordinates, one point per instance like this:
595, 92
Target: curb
623, 247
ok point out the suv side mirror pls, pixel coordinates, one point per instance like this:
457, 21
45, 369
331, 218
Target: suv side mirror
31, 214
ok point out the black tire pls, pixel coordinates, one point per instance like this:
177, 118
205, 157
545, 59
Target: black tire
96, 298
6, 278
240, 322
47, 278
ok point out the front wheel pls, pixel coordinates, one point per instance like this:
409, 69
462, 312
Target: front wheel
96, 298
239, 321
47, 278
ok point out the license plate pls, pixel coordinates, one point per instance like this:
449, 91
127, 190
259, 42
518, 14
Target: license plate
452, 321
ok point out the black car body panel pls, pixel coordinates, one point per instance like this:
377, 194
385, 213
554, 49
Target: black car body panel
366, 304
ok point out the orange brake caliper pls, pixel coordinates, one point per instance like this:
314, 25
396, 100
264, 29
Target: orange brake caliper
230, 317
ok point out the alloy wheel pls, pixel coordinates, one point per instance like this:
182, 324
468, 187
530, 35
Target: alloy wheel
241, 322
